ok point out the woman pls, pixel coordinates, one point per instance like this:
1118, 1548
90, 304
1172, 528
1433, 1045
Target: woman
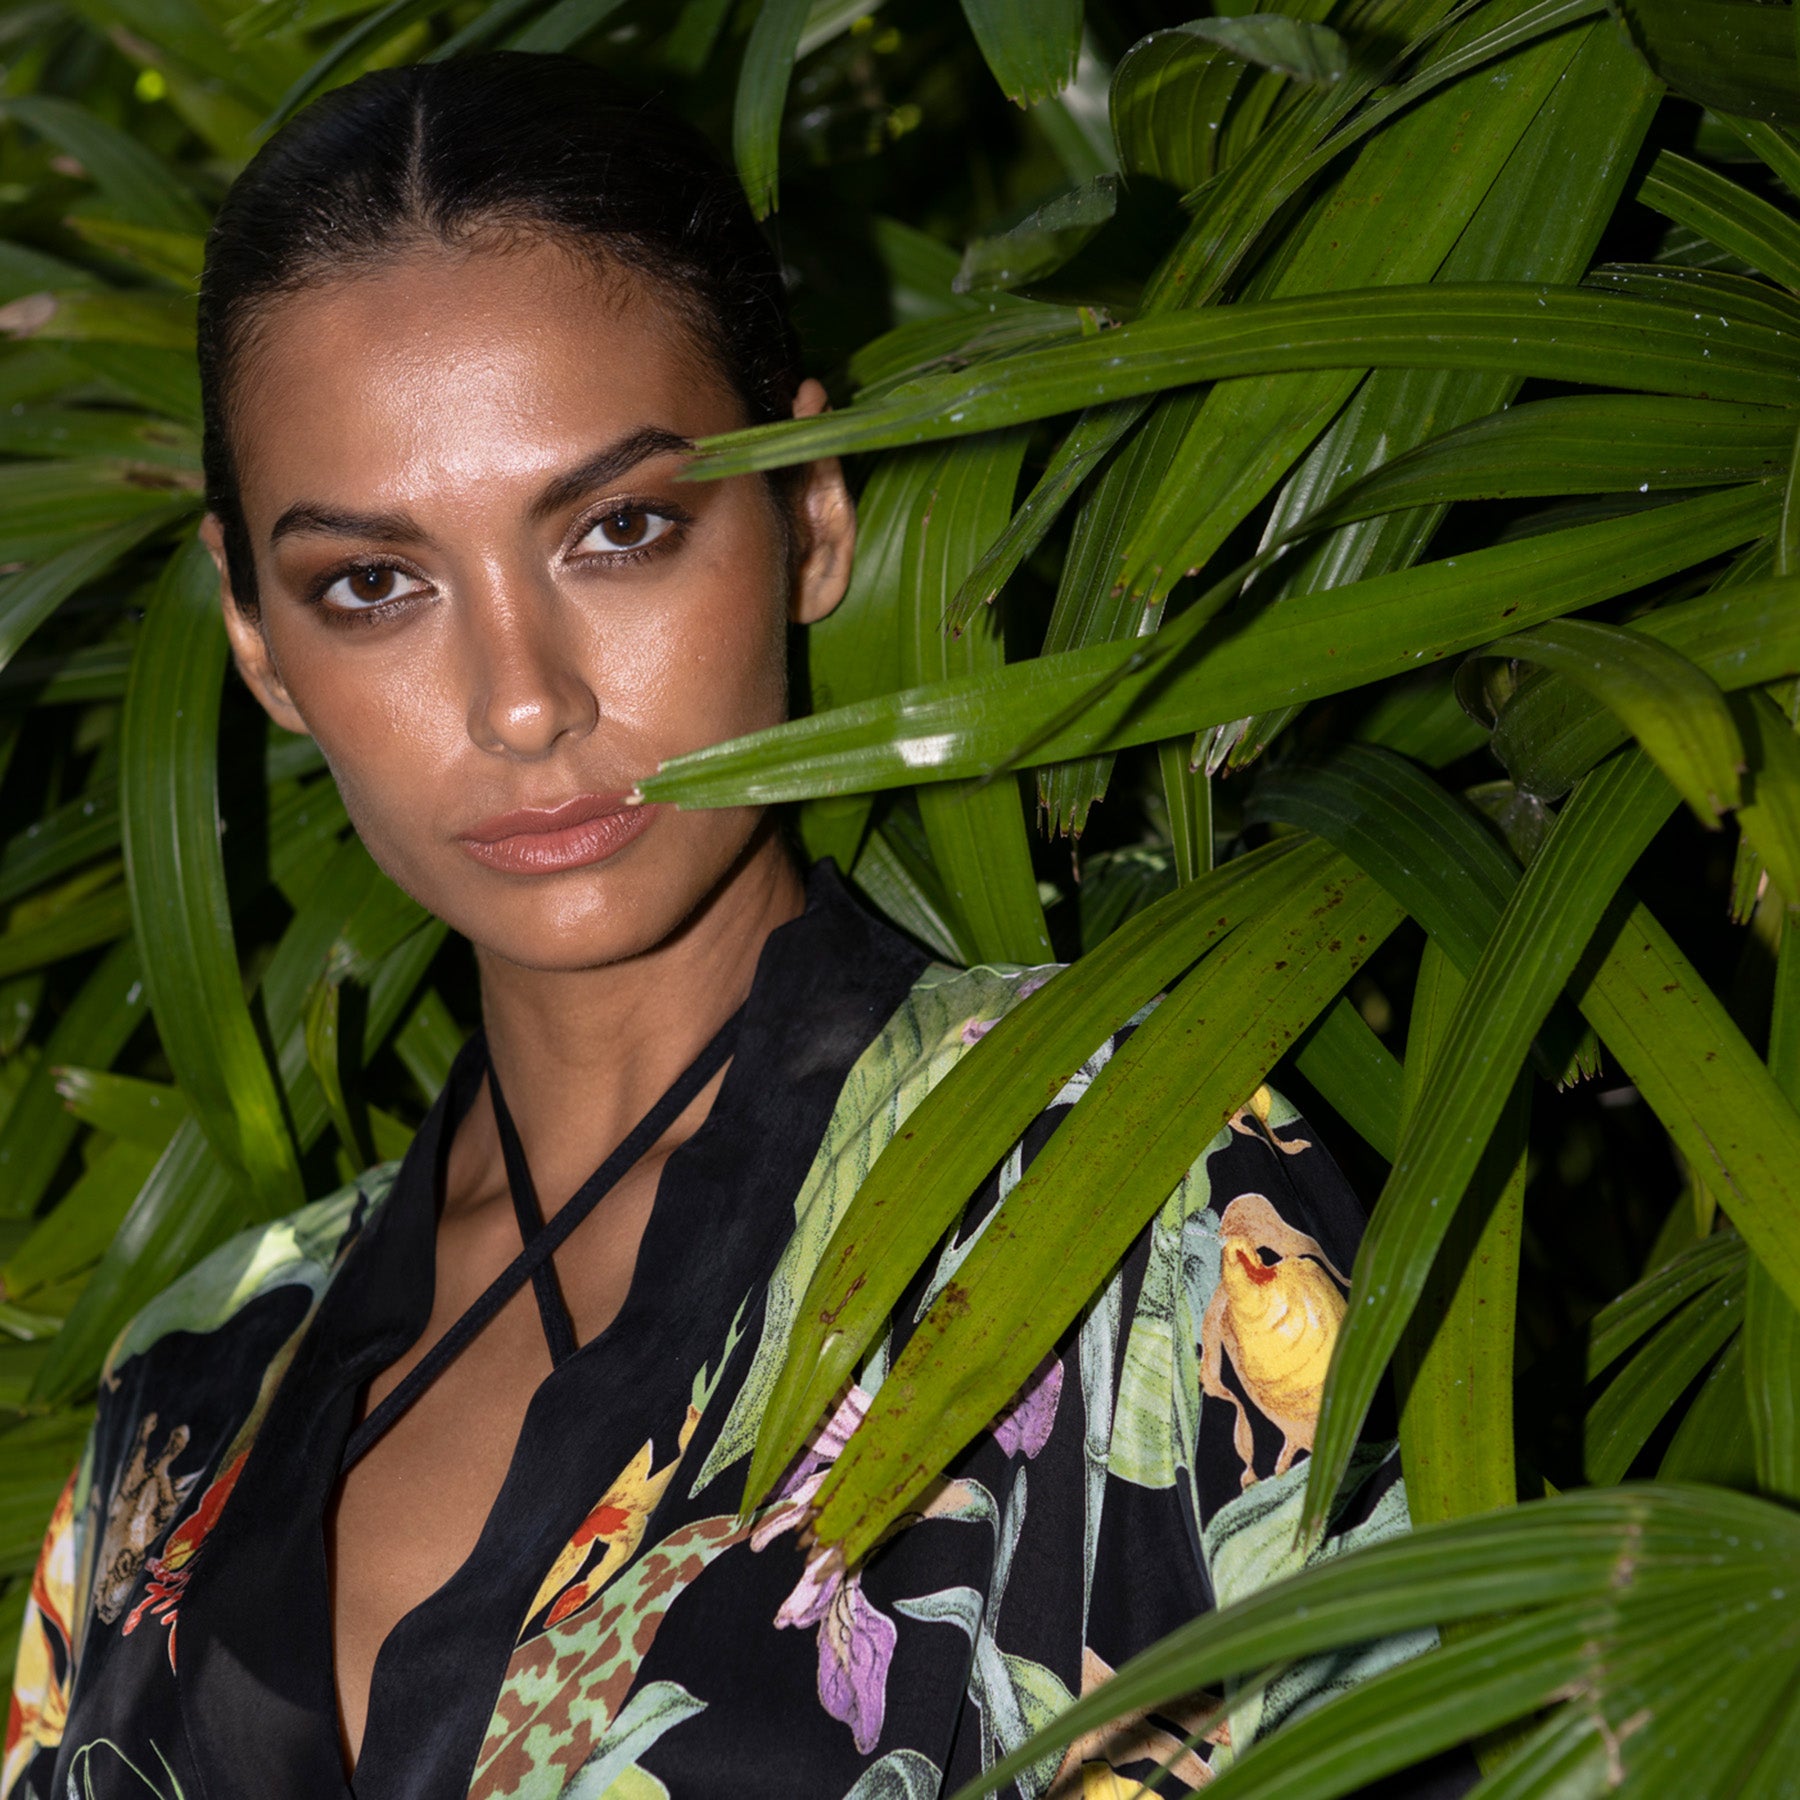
352, 1513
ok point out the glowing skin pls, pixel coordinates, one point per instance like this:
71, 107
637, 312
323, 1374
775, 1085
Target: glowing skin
485, 643
487, 593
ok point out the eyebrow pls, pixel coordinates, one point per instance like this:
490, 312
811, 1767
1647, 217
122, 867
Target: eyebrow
608, 465
605, 465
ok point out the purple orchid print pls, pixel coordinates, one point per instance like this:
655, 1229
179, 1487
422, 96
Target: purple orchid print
856, 1639
976, 1029
1027, 1423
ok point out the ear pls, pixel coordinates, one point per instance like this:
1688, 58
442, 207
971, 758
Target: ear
249, 647
827, 520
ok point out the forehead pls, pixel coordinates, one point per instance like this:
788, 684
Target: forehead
448, 364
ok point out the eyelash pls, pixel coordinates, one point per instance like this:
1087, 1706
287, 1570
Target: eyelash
677, 520
322, 584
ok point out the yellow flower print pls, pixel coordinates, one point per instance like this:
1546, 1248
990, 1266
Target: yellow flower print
607, 1538
1253, 1117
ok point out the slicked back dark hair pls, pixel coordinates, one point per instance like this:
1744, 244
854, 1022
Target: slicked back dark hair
444, 152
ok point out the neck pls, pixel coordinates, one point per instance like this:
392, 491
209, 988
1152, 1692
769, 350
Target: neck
583, 1054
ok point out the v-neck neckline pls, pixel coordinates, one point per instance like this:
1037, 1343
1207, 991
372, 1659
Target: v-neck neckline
540, 1238
721, 1214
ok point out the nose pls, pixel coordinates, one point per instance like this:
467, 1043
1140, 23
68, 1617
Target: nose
528, 692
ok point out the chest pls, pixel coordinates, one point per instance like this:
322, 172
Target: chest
408, 1515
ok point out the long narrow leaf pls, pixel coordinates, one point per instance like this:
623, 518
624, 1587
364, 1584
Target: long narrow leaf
976, 830
1726, 213
1770, 815
1726, 54
1326, 644
169, 805
1029, 44
1547, 923
92, 1029
1150, 1113
1771, 1319
761, 91
1642, 1394
1552, 731
922, 1181
1556, 333
1679, 1046
126, 171
1356, 1073
190, 1204
1674, 709
1649, 1540
29, 598
1453, 1366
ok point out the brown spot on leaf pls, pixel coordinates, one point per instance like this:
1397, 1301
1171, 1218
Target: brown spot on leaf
829, 1315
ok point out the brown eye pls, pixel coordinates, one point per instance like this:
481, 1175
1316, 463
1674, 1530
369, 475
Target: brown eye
626, 528
370, 587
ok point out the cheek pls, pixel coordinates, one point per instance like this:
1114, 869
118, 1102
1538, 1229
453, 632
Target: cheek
713, 665
390, 727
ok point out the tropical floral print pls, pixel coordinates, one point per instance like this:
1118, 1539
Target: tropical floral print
39, 1706
856, 1639
136, 1547
656, 1640
168, 1573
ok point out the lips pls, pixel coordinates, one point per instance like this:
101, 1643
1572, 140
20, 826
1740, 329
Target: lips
533, 841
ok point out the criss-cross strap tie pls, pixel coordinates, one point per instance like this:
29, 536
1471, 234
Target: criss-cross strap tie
540, 1241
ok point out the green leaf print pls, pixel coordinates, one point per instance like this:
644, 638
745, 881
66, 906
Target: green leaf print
300, 1249
942, 1018
1145, 1448
1097, 1352
949, 1606
1253, 1541
1018, 1697
900, 1775
609, 1773
81, 1769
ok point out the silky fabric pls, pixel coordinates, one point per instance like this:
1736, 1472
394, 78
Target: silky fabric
617, 1632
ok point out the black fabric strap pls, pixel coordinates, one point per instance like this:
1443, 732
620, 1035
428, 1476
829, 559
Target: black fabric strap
553, 1310
544, 1241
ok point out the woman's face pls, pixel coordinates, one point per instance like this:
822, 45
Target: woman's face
487, 594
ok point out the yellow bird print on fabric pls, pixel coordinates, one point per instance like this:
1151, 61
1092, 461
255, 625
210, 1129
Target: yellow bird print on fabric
1275, 1313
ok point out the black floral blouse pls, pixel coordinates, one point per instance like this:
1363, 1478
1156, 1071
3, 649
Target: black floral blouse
617, 1633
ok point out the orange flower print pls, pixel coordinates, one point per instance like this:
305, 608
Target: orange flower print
39, 1707
614, 1529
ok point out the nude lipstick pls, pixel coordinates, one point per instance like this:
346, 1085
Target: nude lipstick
587, 829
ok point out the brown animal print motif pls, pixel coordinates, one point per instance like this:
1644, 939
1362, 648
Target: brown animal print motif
142, 1506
